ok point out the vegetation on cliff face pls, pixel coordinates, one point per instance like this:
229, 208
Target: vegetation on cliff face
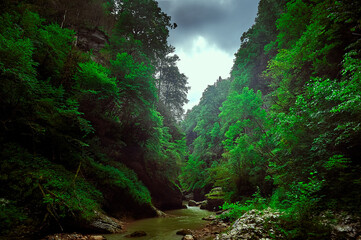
82, 130
91, 97
285, 131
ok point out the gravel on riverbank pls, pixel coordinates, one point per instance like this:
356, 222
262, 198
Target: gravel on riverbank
73, 236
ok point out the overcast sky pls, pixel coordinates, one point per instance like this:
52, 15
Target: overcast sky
207, 37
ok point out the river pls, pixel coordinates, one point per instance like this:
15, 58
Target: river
166, 228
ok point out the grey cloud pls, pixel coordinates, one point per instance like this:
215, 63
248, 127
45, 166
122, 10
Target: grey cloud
221, 22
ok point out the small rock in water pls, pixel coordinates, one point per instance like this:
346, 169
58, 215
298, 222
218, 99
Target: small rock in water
188, 237
184, 232
136, 234
210, 218
97, 237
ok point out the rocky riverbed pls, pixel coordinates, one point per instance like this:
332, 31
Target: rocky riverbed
253, 224
73, 236
265, 225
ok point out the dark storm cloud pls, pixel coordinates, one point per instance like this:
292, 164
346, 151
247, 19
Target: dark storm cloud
221, 22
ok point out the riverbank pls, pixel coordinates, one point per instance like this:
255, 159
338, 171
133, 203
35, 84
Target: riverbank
200, 223
211, 230
73, 236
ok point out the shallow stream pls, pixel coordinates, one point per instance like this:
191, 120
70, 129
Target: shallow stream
165, 228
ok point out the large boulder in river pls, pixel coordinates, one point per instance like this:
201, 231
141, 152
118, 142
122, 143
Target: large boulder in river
136, 234
192, 203
184, 232
215, 199
100, 224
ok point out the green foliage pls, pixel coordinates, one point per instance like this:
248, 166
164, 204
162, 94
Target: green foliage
142, 30
62, 193
336, 162
10, 214
246, 143
172, 89
233, 211
16, 52
193, 176
124, 178
74, 124
203, 132
135, 83
298, 141
292, 23
94, 78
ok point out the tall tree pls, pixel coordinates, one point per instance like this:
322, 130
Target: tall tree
172, 86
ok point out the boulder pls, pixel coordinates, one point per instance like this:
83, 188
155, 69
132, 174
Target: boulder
215, 199
188, 237
184, 232
96, 237
136, 234
214, 204
105, 224
345, 226
192, 203
252, 226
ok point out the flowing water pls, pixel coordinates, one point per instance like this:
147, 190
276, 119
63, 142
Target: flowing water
166, 228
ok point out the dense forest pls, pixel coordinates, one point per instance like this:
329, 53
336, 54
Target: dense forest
93, 127
284, 130
90, 99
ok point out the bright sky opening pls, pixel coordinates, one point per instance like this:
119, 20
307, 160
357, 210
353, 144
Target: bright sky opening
207, 37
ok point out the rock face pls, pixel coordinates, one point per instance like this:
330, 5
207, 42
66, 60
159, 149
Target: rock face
192, 203
252, 226
165, 194
91, 39
118, 203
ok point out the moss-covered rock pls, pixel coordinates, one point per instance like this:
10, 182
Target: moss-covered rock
215, 199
